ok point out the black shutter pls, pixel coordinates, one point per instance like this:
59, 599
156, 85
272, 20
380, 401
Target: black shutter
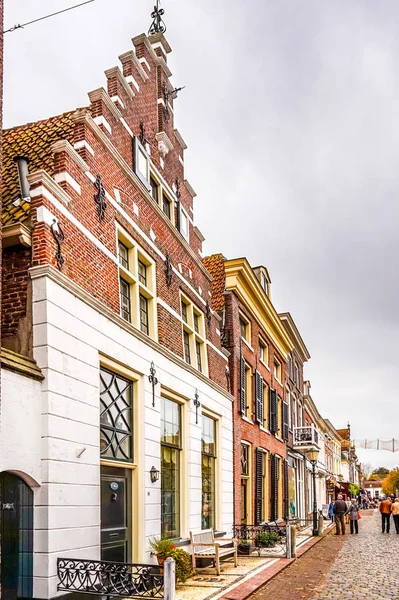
273, 411
258, 486
286, 501
273, 488
259, 398
285, 421
243, 400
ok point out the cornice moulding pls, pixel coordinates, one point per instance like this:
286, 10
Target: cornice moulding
180, 139
130, 55
65, 146
102, 95
116, 72
190, 189
16, 234
43, 178
75, 289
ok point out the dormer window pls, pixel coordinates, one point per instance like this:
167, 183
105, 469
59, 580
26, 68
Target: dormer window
264, 283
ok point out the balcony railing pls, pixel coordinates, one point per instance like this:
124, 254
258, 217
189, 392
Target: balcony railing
306, 437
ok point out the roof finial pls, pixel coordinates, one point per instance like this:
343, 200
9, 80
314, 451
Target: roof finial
157, 26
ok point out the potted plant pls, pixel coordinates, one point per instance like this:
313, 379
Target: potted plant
244, 547
162, 548
267, 539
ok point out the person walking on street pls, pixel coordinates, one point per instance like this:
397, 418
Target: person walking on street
354, 516
395, 514
331, 511
385, 510
340, 510
348, 504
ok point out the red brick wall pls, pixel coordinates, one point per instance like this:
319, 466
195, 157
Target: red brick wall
242, 429
86, 264
16, 262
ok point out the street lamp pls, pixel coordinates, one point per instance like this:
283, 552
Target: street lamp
313, 454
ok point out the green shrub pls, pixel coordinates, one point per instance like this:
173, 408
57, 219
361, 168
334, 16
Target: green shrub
162, 546
183, 563
267, 539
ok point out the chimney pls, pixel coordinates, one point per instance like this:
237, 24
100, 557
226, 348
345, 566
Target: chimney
23, 172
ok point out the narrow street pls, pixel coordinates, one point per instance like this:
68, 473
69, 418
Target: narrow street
353, 567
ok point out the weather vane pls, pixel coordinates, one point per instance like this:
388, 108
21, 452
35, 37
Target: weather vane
157, 26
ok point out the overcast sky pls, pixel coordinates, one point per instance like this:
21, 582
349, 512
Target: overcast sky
291, 115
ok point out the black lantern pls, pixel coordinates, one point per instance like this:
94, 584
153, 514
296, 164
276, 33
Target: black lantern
154, 474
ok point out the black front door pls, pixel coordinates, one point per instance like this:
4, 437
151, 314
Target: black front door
16, 529
115, 514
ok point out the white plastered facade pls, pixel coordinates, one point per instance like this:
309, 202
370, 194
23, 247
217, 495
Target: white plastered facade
59, 417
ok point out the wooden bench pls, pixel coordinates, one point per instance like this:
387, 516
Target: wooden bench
204, 546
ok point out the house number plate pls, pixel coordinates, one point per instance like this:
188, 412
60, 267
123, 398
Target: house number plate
8, 505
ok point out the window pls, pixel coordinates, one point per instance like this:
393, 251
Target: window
125, 300
243, 328
184, 311
184, 224
266, 407
264, 283
171, 436
277, 370
142, 270
199, 359
141, 163
245, 483
208, 472
186, 342
280, 416
248, 392
296, 374
193, 335
123, 252
144, 315
154, 189
263, 352
137, 286
166, 206
116, 430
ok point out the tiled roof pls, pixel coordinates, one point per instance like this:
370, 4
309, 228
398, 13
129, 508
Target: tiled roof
34, 141
215, 266
344, 433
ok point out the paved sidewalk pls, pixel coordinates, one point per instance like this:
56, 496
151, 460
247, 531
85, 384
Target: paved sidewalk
367, 567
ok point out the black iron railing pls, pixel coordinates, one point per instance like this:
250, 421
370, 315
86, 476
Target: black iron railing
109, 579
252, 538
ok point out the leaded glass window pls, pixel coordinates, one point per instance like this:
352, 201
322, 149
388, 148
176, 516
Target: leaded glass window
123, 255
244, 459
170, 467
208, 439
198, 352
142, 269
125, 300
186, 342
116, 417
144, 314
184, 312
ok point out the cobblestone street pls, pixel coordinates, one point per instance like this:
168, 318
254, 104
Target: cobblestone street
366, 567
354, 567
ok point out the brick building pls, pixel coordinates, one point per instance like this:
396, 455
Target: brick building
1, 128
259, 346
296, 439
117, 419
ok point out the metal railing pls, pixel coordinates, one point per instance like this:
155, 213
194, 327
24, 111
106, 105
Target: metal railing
252, 538
306, 436
109, 579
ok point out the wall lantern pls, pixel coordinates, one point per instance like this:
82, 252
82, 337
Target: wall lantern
154, 474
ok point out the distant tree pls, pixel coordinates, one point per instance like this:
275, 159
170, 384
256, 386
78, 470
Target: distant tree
366, 470
390, 485
381, 472
354, 489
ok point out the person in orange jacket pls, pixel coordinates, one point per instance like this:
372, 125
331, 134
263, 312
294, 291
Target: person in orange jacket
385, 510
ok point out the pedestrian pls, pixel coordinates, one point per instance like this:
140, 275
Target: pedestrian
395, 514
348, 504
340, 510
331, 511
354, 516
385, 510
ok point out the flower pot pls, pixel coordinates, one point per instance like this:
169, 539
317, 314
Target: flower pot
244, 549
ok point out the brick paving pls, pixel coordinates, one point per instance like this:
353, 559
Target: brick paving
354, 567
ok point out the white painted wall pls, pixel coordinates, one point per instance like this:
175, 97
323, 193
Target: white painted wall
68, 338
20, 434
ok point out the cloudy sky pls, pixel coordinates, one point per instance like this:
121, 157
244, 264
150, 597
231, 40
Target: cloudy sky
291, 114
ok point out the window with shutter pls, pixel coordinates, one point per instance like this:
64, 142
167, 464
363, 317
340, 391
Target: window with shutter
259, 400
259, 486
243, 387
273, 487
285, 421
273, 411
286, 499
